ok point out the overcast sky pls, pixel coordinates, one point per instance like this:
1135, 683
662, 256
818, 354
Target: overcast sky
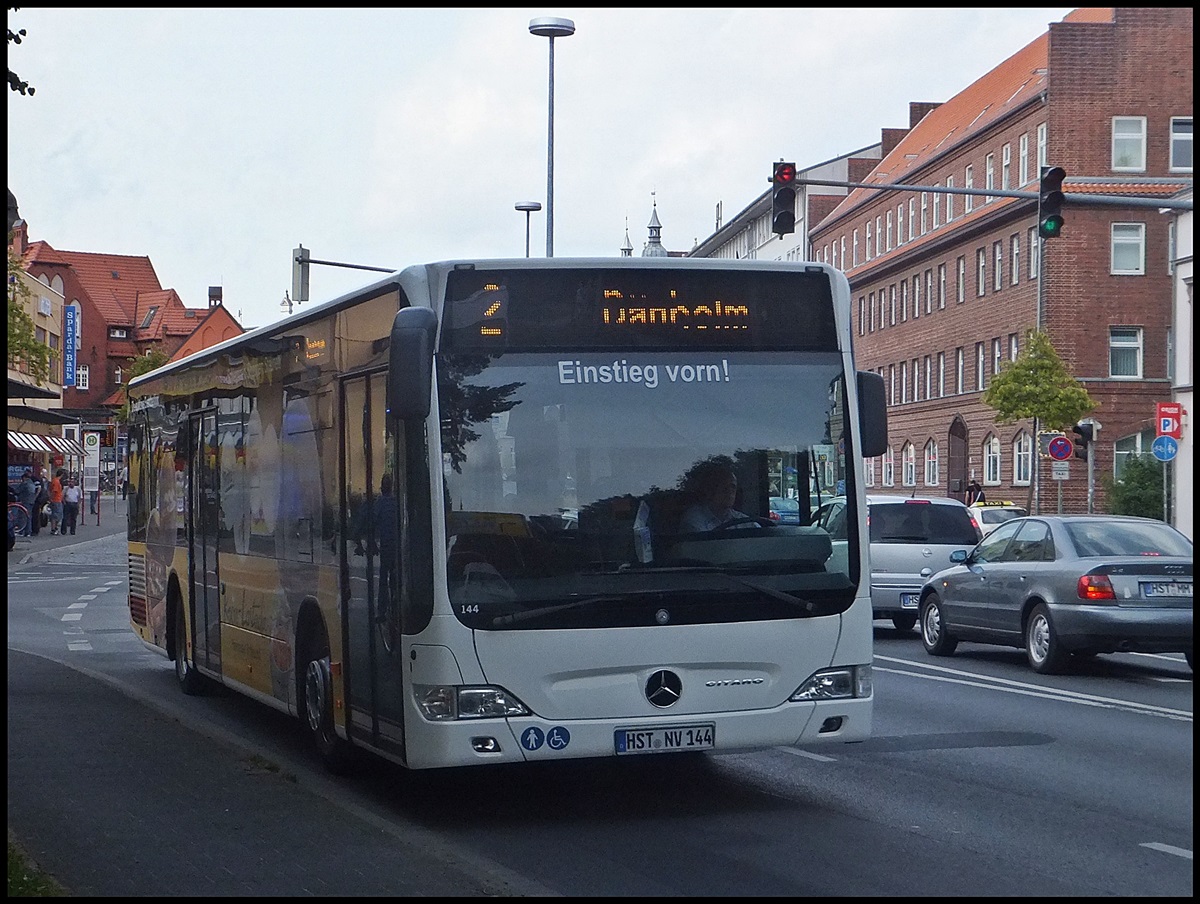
215, 141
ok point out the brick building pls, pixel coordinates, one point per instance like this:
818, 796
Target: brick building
946, 285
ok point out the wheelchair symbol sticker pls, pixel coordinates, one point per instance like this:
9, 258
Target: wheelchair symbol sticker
558, 738
533, 738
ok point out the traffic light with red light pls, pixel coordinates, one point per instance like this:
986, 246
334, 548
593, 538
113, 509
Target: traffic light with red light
1050, 202
783, 198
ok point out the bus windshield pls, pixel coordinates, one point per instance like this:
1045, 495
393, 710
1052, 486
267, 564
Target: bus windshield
571, 482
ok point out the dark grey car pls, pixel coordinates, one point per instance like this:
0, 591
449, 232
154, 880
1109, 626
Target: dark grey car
1066, 585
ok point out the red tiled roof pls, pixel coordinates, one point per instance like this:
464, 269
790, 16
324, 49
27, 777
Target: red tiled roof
113, 281
1006, 87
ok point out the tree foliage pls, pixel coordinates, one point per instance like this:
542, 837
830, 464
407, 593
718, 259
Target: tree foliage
23, 345
1138, 491
1038, 385
15, 83
142, 364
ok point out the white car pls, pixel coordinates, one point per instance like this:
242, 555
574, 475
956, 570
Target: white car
990, 515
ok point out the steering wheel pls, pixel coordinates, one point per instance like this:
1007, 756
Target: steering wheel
747, 519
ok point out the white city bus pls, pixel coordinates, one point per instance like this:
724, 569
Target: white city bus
439, 518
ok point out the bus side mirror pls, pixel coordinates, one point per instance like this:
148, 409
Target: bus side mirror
410, 363
872, 414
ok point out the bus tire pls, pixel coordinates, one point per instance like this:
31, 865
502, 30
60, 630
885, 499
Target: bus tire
191, 682
316, 700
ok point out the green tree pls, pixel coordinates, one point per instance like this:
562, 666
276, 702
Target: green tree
23, 345
142, 364
1038, 385
1139, 489
15, 82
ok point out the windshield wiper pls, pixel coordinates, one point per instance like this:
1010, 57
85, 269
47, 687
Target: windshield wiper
806, 605
517, 617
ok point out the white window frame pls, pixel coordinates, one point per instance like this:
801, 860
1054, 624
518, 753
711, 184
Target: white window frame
1034, 249
117, 374
924, 210
941, 375
879, 246
997, 355
980, 367
912, 218
891, 384
868, 240
1006, 167
843, 243
862, 315
998, 266
899, 224
1129, 144
868, 472
1181, 144
82, 377
961, 289
1013, 347
1043, 150
937, 207
1022, 450
1015, 266
949, 199
932, 475
916, 374
871, 306
960, 367
992, 461
892, 300
928, 376
980, 273
889, 467
1023, 158
889, 230
904, 382
941, 287
989, 176
855, 246
904, 301
908, 458
916, 296
1128, 249
1121, 341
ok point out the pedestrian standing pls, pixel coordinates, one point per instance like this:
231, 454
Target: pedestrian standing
125, 481
71, 497
56, 501
39, 503
27, 495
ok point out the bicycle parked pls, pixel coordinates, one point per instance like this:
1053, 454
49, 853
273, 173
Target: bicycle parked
18, 523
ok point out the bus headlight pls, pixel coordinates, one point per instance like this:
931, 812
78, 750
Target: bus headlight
447, 702
835, 684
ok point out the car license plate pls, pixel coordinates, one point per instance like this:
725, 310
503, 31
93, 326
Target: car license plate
909, 600
664, 740
1167, 588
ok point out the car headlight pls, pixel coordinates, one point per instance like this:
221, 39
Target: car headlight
447, 702
835, 684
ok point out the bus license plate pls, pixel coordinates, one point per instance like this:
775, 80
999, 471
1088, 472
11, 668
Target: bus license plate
909, 600
664, 740
1167, 588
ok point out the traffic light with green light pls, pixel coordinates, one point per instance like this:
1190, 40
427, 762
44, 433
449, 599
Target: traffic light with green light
1050, 202
783, 198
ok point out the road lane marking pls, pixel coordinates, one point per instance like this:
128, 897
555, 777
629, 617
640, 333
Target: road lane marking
1167, 849
100, 589
77, 606
72, 616
807, 754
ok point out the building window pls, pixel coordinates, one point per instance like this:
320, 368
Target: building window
1006, 167
1033, 253
1128, 249
1181, 144
1125, 352
949, 199
912, 217
1129, 143
929, 291
1042, 149
989, 176
937, 208
1013, 351
879, 246
843, 252
924, 210
854, 245
891, 384
903, 300
928, 377
149, 318
941, 287
862, 315
834, 262
117, 332
916, 296
889, 468
869, 472
1023, 158
903, 382
868, 239
941, 375
997, 351
899, 224
916, 372
1015, 265
969, 182
997, 266
871, 306
959, 368
81, 377
961, 289
980, 373
980, 272
931, 464
909, 463
991, 461
117, 374
1123, 448
889, 230
1022, 459
892, 300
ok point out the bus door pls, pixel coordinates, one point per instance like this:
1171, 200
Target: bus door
204, 512
372, 500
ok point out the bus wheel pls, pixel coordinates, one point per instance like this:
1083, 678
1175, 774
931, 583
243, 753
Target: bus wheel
316, 707
191, 682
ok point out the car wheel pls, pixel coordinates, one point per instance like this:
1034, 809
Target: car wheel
937, 639
1042, 647
316, 705
904, 621
191, 682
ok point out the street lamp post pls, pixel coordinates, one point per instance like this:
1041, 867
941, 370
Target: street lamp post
550, 27
529, 207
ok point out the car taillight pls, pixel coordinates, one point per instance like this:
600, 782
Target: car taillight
773, 515
1095, 587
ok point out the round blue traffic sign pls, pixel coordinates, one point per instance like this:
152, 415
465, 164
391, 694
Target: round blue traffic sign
1164, 448
1060, 448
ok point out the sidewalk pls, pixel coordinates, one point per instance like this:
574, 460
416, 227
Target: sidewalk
37, 549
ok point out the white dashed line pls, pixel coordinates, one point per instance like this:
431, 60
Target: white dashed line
1167, 849
77, 645
88, 596
72, 616
807, 754
77, 606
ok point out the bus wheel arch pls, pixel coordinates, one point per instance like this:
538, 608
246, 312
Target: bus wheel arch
314, 689
190, 681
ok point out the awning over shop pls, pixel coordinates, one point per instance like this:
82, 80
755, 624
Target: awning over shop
65, 446
29, 442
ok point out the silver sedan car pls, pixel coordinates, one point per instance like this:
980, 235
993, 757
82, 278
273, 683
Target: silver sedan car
1063, 585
